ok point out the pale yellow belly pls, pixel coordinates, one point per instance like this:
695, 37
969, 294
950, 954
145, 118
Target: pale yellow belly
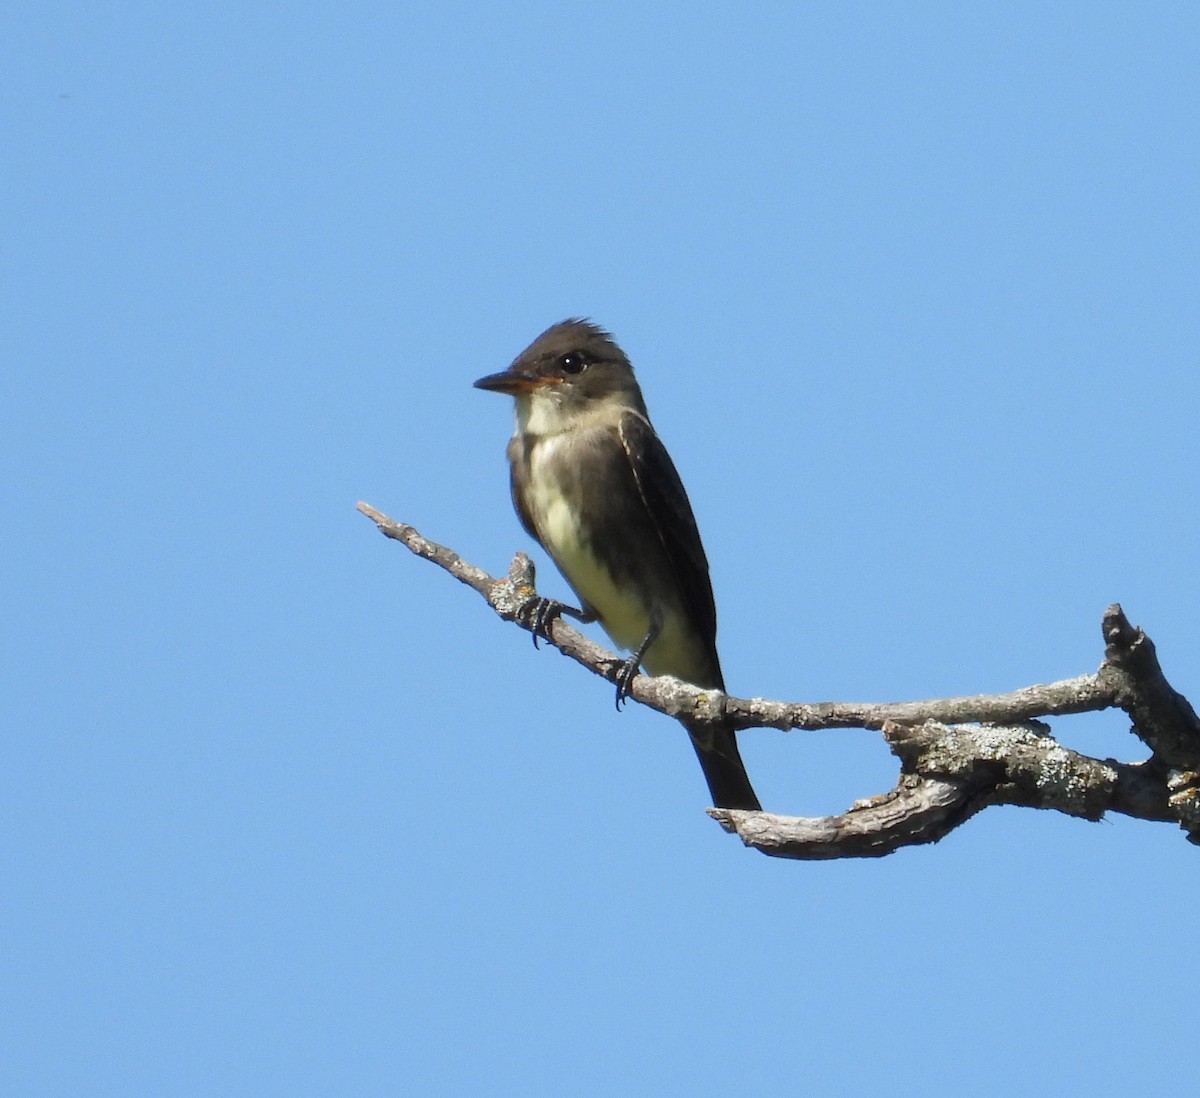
623, 614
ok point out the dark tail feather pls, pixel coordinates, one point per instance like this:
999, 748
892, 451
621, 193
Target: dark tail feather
727, 779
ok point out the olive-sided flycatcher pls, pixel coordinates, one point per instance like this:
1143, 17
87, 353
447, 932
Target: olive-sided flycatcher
595, 487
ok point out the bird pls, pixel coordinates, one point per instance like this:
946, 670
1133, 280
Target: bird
594, 486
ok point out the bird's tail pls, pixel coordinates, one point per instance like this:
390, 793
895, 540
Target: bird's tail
723, 769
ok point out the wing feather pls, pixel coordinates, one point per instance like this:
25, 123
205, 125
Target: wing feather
666, 501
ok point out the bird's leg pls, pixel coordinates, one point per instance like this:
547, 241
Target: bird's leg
633, 665
540, 611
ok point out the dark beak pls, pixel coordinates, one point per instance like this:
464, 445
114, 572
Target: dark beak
513, 382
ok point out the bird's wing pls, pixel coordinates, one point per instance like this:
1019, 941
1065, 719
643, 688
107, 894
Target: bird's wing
663, 494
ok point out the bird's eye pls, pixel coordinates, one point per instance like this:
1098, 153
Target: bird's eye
572, 362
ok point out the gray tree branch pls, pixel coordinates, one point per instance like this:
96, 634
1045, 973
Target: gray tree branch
957, 755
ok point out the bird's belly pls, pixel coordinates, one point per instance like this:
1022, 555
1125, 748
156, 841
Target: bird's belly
622, 602
622, 612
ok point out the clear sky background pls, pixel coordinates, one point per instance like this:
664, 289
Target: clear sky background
913, 294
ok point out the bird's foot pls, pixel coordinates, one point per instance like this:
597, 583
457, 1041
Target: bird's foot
625, 676
539, 612
630, 668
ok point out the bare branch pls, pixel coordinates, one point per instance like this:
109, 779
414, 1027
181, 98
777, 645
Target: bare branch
1161, 716
950, 773
1083, 694
918, 810
430, 550
957, 755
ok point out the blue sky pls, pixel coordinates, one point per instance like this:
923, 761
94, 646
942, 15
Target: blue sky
912, 294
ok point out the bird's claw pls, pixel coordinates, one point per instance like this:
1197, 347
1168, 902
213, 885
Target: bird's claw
539, 612
625, 676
